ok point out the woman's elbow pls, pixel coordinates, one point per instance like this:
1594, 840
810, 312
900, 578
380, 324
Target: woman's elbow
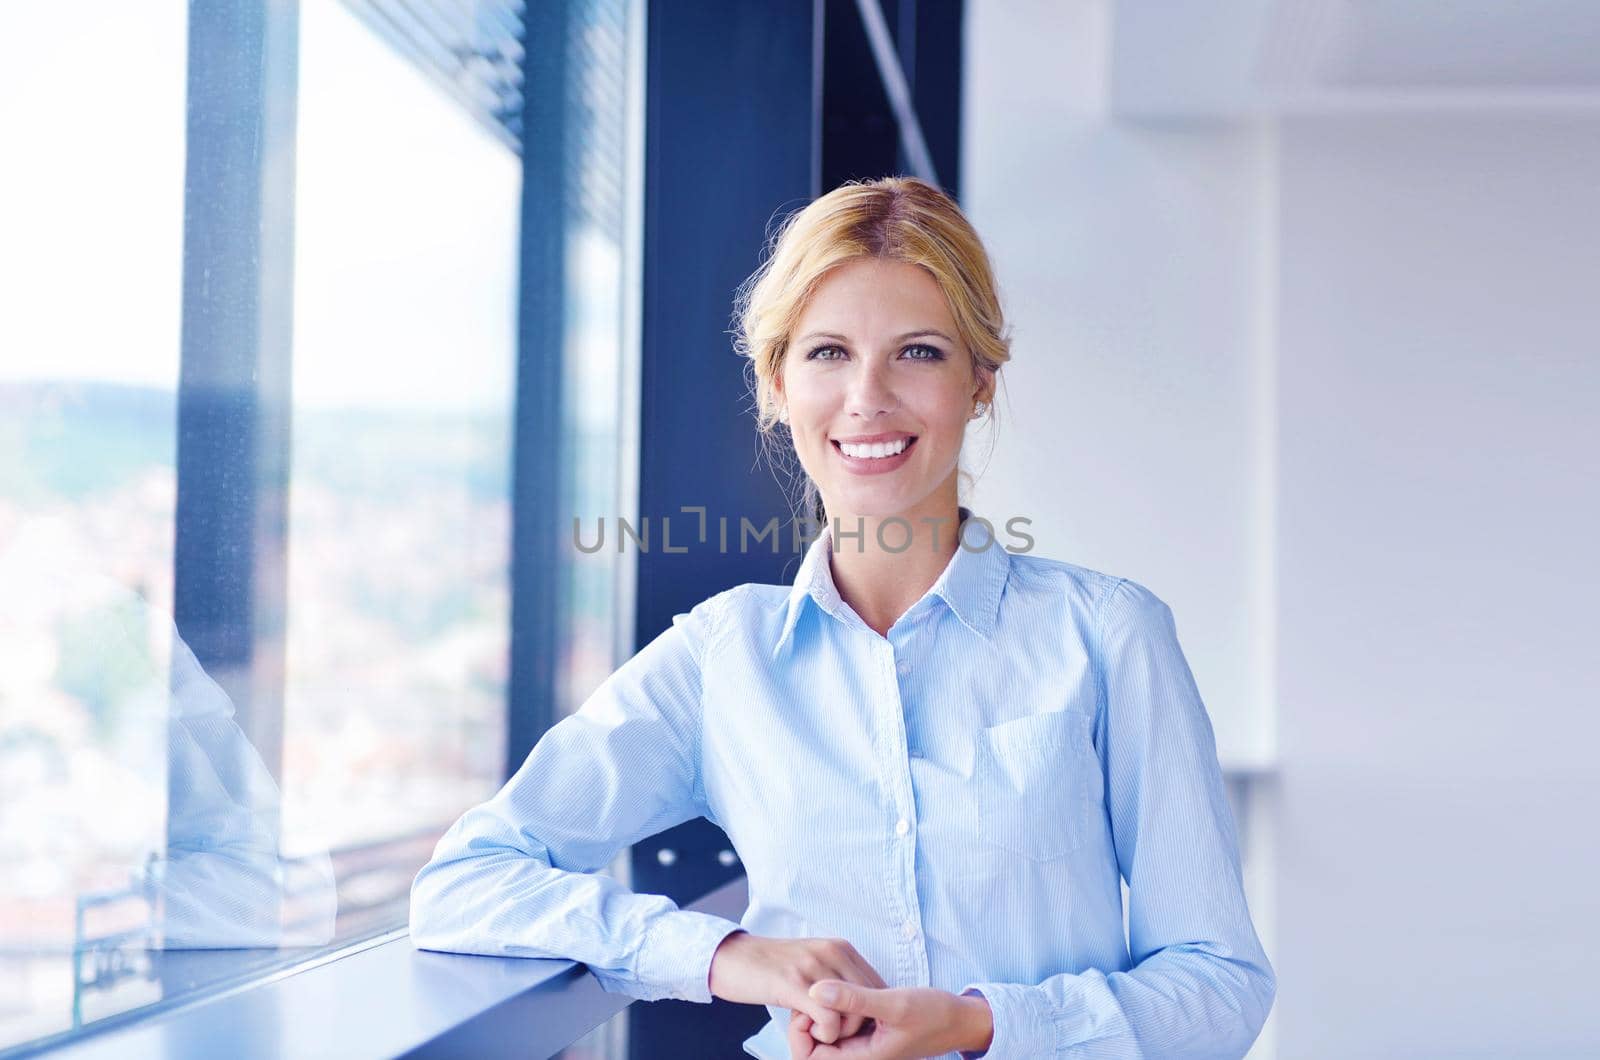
1263, 991
430, 915
456, 895
1248, 988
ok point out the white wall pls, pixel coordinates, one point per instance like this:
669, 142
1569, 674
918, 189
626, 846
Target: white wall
1439, 513
1330, 386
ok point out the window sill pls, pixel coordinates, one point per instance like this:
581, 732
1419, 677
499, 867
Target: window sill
386, 998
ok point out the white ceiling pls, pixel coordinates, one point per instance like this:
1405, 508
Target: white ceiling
1240, 56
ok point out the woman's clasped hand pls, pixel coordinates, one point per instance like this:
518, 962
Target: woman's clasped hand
860, 1019
899, 1024
756, 970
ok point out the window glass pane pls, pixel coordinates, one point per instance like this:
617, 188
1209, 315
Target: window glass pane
91, 222
598, 368
255, 415
399, 508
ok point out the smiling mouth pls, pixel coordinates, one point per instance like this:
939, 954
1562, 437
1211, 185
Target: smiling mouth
910, 441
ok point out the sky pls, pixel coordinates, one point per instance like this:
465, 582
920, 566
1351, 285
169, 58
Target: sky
406, 213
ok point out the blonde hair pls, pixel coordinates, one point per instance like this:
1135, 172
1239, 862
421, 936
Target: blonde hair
897, 218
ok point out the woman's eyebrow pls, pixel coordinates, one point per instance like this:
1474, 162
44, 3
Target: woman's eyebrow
834, 335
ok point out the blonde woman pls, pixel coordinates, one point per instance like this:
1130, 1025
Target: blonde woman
938, 759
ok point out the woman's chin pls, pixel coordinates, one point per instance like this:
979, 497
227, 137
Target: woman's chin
871, 503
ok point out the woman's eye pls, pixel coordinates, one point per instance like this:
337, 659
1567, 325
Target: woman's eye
917, 352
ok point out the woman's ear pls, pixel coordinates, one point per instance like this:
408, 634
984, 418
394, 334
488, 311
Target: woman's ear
775, 395
983, 388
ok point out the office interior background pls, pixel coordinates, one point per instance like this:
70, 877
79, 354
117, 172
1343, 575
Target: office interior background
321, 323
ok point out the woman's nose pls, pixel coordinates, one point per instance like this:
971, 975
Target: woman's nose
871, 391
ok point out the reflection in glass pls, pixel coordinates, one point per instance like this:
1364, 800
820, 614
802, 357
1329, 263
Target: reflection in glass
166, 815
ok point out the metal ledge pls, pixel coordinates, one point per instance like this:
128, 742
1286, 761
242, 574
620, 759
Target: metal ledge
390, 999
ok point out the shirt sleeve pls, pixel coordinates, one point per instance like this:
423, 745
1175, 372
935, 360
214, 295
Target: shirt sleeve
1201, 985
516, 876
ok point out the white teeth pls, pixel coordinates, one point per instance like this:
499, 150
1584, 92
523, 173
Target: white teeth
876, 451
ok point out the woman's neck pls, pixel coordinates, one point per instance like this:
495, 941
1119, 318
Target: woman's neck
879, 578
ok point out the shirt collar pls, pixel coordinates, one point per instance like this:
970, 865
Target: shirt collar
970, 585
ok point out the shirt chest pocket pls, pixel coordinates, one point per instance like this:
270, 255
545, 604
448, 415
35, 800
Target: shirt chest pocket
1037, 783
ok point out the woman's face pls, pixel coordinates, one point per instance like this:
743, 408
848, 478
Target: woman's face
875, 360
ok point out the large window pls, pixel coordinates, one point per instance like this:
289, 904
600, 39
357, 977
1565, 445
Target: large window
259, 377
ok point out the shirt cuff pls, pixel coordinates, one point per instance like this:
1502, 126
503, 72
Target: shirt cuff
675, 957
1023, 1023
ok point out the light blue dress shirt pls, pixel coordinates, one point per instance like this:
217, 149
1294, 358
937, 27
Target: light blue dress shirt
960, 801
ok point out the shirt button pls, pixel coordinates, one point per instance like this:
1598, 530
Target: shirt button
902, 826
909, 929
903, 666
916, 752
